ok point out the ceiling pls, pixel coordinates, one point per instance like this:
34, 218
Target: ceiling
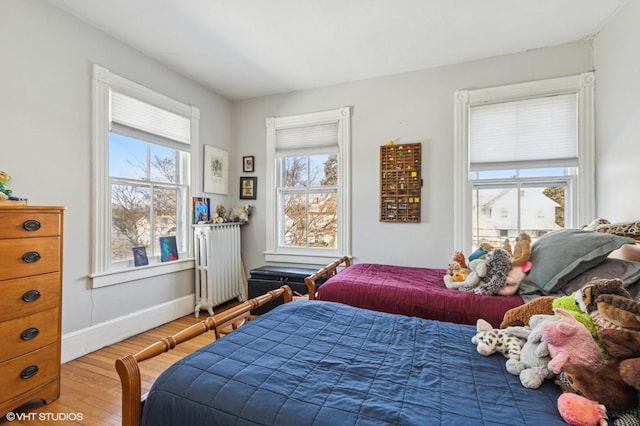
249, 48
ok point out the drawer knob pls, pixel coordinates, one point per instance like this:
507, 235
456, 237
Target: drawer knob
29, 333
31, 225
31, 257
29, 372
31, 296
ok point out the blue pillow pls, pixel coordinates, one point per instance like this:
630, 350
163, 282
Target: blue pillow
561, 255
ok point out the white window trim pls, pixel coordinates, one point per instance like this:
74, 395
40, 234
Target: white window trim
103, 82
273, 253
582, 85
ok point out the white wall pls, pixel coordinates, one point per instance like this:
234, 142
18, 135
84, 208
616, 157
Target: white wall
45, 136
409, 107
617, 66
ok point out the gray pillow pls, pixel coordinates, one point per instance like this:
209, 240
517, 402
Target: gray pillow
627, 271
561, 255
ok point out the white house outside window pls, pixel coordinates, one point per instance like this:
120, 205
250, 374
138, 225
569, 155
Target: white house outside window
308, 176
142, 176
523, 159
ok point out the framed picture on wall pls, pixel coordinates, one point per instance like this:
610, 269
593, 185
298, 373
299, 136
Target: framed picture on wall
216, 170
248, 188
247, 164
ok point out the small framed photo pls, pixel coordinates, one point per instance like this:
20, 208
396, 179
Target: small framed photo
201, 207
247, 164
248, 188
168, 249
140, 256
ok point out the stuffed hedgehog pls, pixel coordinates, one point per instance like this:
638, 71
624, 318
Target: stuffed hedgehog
498, 264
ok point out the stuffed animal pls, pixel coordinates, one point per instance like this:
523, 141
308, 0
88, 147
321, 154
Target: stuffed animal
586, 297
490, 340
481, 252
514, 278
570, 343
458, 256
593, 226
5, 192
532, 368
477, 269
498, 264
453, 267
630, 372
617, 322
240, 214
617, 383
460, 276
603, 384
507, 246
568, 303
522, 249
520, 315
579, 411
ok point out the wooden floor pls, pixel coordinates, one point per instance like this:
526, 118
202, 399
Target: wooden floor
90, 387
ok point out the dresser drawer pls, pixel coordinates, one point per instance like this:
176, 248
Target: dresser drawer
28, 223
29, 371
25, 296
29, 256
25, 334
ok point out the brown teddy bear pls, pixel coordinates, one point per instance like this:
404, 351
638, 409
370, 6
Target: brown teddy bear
522, 249
520, 315
602, 384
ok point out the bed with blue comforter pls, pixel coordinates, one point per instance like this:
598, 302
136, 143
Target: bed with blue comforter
324, 363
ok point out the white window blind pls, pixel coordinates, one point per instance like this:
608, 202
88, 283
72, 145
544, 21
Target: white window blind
135, 114
316, 139
539, 130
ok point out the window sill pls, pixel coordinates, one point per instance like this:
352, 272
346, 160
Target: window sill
105, 279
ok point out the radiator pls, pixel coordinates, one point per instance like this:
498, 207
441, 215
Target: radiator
219, 270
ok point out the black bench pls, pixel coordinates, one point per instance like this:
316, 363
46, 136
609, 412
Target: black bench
267, 278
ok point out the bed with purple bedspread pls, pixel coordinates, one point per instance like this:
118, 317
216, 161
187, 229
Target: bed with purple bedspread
418, 292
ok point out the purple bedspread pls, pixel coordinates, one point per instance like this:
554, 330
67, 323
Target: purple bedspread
418, 292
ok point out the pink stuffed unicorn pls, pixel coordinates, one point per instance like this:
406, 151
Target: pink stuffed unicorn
570, 342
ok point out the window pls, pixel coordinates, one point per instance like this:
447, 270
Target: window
523, 159
308, 210
142, 156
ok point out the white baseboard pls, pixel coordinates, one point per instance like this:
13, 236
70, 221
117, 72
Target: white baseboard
87, 340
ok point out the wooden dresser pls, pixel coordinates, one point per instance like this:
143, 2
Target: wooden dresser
30, 304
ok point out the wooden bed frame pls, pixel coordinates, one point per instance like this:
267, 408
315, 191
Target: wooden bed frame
329, 271
127, 366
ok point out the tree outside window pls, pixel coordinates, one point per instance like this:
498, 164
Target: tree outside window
147, 195
308, 196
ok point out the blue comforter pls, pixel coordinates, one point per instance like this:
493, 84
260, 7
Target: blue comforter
325, 363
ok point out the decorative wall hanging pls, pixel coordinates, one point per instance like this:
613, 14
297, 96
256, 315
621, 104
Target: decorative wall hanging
248, 188
247, 163
216, 170
400, 182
